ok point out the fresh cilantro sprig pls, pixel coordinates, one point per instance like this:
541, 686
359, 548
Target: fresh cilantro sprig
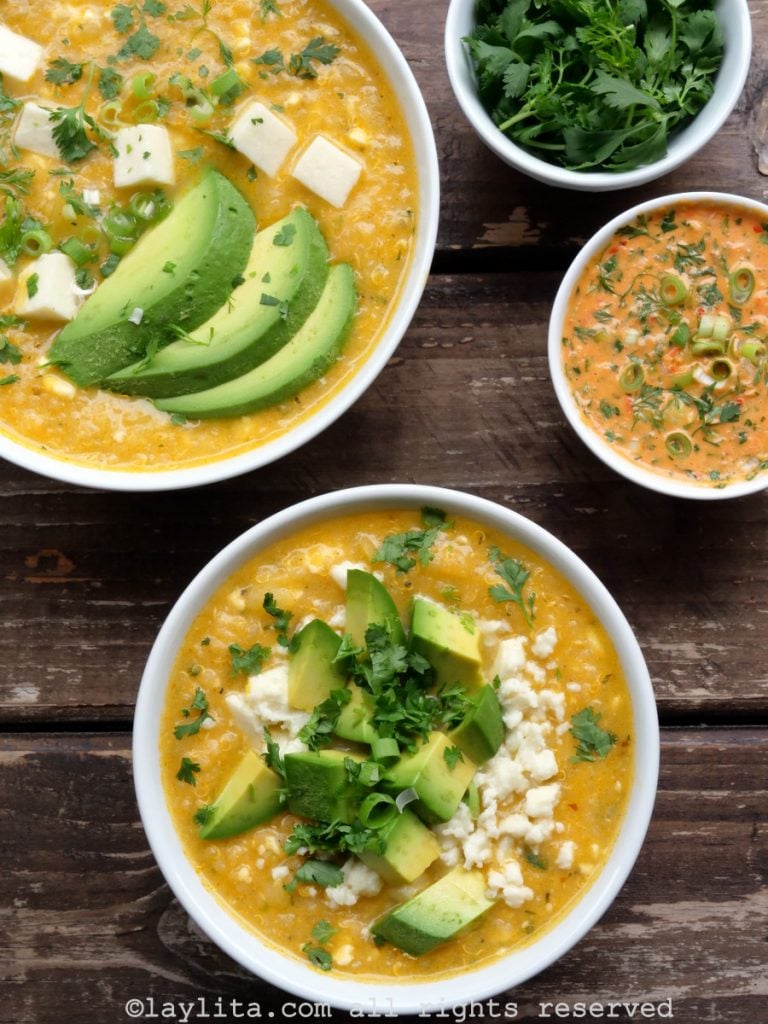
592, 741
333, 837
302, 63
130, 18
281, 616
16, 181
192, 726
71, 126
402, 550
515, 575
248, 662
187, 771
318, 731
272, 756
599, 84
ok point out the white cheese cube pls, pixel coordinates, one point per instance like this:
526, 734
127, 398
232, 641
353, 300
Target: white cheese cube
263, 137
328, 171
5, 272
55, 296
34, 130
540, 801
19, 57
144, 156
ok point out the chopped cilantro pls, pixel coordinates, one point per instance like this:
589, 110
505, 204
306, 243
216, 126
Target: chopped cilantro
320, 872
202, 815
187, 771
272, 756
452, 756
535, 860
323, 931
592, 740
398, 548
110, 83
318, 956
318, 731
270, 7
285, 235
191, 728
63, 72
281, 617
334, 837
249, 662
11, 378
302, 64
515, 575
33, 282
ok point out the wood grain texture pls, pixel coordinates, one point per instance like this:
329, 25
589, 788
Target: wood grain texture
88, 923
87, 577
487, 204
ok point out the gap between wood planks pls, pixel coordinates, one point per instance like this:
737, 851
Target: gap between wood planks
510, 260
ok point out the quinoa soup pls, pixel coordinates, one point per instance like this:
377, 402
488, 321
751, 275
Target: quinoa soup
663, 343
187, 70
543, 805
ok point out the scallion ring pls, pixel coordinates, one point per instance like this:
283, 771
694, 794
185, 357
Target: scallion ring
631, 378
721, 369
385, 748
377, 810
707, 347
754, 351
79, 254
111, 114
678, 444
35, 241
149, 110
672, 290
142, 83
741, 284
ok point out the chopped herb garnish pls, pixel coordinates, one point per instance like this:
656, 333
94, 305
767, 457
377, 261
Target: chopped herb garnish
323, 931
320, 872
592, 740
33, 284
191, 728
281, 616
272, 756
63, 72
202, 815
318, 956
535, 860
317, 50
399, 549
250, 661
452, 756
318, 731
515, 575
187, 771
285, 235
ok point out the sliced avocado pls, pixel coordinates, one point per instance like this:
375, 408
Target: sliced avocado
312, 674
354, 722
481, 732
410, 849
283, 281
472, 799
369, 603
251, 796
318, 785
307, 356
438, 913
438, 772
449, 643
178, 274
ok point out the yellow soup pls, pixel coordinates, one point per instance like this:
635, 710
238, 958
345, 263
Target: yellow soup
540, 815
189, 70
663, 344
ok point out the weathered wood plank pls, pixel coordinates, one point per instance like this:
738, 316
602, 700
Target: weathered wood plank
485, 203
87, 922
88, 577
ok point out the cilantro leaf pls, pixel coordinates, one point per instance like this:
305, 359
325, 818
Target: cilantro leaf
320, 872
62, 72
249, 662
301, 64
333, 837
318, 731
281, 617
272, 756
142, 44
515, 575
535, 860
322, 931
191, 728
592, 740
202, 815
110, 83
122, 18
271, 59
452, 756
187, 771
398, 549
318, 956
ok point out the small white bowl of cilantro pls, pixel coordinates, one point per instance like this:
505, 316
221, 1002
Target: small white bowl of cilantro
597, 96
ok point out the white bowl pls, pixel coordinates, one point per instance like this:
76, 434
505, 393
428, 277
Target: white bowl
597, 445
244, 946
737, 28
367, 26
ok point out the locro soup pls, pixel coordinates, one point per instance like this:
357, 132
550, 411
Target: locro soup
397, 745
663, 343
146, 151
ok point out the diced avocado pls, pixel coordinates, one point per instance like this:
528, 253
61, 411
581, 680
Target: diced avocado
410, 849
472, 799
282, 283
481, 732
312, 674
438, 913
178, 274
369, 603
251, 796
318, 785
449, 643
438, 772
307, 356
354, 722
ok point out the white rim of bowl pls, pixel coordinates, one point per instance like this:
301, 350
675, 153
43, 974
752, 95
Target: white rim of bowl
633, 471
736, 59
402, 80
279, 969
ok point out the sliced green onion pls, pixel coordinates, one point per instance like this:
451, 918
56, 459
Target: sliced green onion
120, 246
110, 114
681, 380
149, 110
722, 328
35, 241
377, 810
143, 206
708, 347
754, 351
407, 796
681, 336
201, 108
223, 83
672, 290
721, 369
90, 234
706, 326
631, 378
678, 444
701, 376
142, 85
121, 224
741, 284
385, 748
79, 254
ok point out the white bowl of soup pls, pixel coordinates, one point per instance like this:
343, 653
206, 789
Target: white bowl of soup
218, 223
657, 345
462, 723
580, 123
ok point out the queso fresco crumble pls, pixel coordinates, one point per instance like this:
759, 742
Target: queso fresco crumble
474, 752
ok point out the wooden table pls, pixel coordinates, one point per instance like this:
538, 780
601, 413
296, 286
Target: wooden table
87, 578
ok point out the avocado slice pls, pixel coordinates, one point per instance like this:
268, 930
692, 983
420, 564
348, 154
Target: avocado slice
312, 674
354, 721
439, 778
283, 281
481, 732
410, 849
448, 643
436, 914
205, 239
251, 796
472, 799
369, 603
306, 357
318, 785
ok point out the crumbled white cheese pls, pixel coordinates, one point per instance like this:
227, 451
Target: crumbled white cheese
539, 764
359, 880
259, 134
540, 801
564, 857
19, 57
328, 171
508, 884
144, 156
338, 573
544, 642
344, 955
34, 131
535, 672
265, 704
281, 871
54, 296
510, 657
